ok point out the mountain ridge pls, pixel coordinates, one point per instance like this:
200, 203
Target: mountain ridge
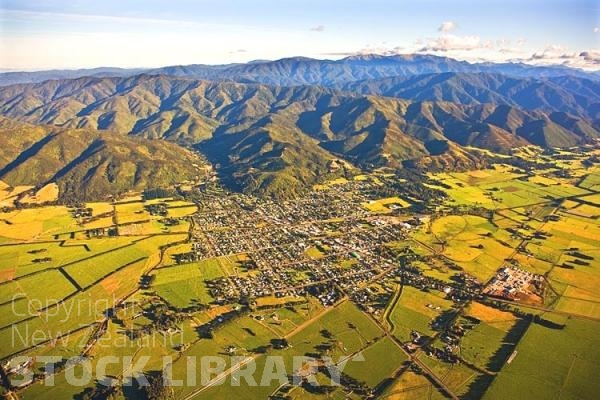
89, 164
366, 66
275, 128
276, 140
576, 96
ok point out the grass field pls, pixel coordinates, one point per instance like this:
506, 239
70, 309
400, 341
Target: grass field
487, 346
30, 287
16, 259
385, 205
472, 242
384, 358
459, 378
412, 386
345, 328
36, 223
569, 357
411, 312
45, 194
180, 284
81, 309
91, 270
501, 188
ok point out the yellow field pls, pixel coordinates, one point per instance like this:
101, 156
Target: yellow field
45, 194
169, 253
99, 223
273, 301
542, 180
569, 204
379, 206
448, 227
131, 197
583, 280
8, 194
313, 252
586, 210
33, 223
142, 228
470, 241
499, 319
175, 203
533, 264
590, 308
410, 386
182, 211
499, 173
594, 198
571, 226
338, 181
581, 294
132, 212
100, 208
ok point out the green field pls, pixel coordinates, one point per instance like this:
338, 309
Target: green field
411, 312
384, 357
95, 268
345, 330
472, 242
499, 188
459, 378
591, 182
17, 259
179, 284
552, 363
488, 346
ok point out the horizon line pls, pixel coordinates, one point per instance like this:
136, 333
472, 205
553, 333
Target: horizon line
343, 56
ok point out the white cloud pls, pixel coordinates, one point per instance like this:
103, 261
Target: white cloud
509, 48
596, 29
318, 28
447, 26
558, 54
449, 42
381, 50
592, 56
552, 51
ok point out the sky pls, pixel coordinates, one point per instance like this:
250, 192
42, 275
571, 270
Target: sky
48, 34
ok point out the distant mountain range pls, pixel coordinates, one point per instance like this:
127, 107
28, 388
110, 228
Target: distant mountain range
576, 96
307, 71
275, 128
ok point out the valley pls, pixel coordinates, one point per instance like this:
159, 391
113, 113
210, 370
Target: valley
399, 268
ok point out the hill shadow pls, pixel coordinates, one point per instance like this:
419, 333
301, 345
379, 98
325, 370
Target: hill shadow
33, 150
